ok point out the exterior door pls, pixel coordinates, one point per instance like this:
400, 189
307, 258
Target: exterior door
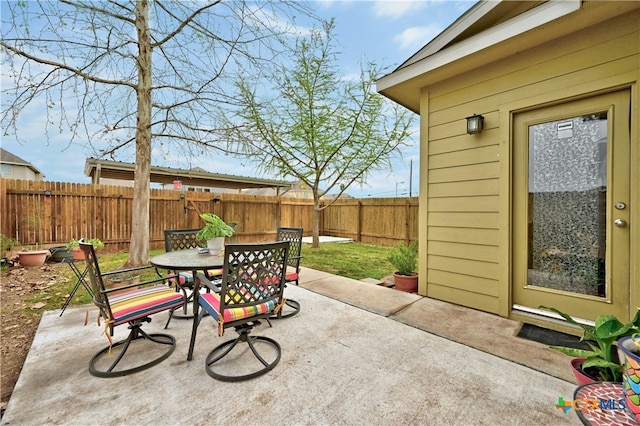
571, 207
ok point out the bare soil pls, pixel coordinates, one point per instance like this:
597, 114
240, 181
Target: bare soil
19, 319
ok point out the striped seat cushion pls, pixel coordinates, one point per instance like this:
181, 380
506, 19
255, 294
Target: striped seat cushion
211, 303
143, 302
291, 276
186, 277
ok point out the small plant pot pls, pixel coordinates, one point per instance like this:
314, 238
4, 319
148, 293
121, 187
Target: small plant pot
406, 283
581, 377
33, 258
78, 254
215, 246
630, 359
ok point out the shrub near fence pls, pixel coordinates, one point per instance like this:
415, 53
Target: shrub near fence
52, 213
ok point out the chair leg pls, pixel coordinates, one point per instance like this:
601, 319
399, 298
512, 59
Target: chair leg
197, 317
187, 300
225, 349
136, 334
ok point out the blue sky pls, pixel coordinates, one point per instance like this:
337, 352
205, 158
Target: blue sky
386, 32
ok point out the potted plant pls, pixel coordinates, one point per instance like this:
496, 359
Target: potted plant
6, 244
598, 363
78, 254
629, 353
405, 259
214, 232
29, 256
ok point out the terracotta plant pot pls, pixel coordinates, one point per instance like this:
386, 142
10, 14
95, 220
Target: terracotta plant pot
78, 254
407, 283
33, 258
581, 377
630, 359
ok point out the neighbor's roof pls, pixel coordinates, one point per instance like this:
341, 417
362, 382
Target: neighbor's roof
97, 169
478, 37
8, 158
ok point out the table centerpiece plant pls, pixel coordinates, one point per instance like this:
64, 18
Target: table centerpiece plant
214, 232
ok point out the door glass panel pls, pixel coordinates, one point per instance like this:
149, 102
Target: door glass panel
567, 204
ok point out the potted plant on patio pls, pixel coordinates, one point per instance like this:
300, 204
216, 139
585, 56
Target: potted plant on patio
629, 353
214, 232
78, 254
405, 259
601, 362
32, 256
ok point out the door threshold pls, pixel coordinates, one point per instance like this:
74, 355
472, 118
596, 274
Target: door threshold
548, 319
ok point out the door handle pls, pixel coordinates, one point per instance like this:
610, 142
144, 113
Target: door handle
620, 223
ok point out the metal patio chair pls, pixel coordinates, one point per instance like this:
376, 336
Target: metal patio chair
130, 304
251, 289
294, 237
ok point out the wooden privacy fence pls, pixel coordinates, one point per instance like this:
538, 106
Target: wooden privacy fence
52, 213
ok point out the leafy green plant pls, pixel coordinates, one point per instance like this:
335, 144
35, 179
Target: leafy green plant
600, 338
405, 257
7, 243
95, 242
214, 228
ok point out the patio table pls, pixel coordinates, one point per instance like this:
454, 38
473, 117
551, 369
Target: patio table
188, 260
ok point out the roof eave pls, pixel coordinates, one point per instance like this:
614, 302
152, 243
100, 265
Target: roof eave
403, 85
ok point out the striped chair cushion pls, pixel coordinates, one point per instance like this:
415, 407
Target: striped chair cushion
143, 302
186, 277
211, 303
292, 276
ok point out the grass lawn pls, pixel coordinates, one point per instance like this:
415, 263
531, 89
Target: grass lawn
353, 260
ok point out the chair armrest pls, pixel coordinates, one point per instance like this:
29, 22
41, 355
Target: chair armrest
207, 282
122, 271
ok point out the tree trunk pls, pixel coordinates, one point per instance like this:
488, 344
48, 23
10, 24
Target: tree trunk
139, 248
315, 243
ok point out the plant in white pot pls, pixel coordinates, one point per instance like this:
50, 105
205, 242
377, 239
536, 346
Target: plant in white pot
214, 232
405, 259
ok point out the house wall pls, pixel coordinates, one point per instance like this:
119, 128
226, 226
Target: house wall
466, 179
15, 171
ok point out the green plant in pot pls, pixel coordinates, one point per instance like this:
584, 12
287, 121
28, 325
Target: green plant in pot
405, 259
74, 247
601, 360
7, 243
214, 232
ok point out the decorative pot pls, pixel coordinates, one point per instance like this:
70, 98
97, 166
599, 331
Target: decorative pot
630, 359
581, 377
215, 245
60, 254
78, 254
33, 258
407, 283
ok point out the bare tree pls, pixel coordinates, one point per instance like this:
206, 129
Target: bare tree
153, 74
312, 124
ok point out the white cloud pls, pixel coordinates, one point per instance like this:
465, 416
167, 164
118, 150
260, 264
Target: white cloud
397, 9
416, 37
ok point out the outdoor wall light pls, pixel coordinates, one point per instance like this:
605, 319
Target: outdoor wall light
474, 124
47, 192
216, 199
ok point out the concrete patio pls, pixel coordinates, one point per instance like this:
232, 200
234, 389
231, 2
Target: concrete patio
356, 354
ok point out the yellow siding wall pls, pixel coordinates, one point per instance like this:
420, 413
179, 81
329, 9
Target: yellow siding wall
466, 178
